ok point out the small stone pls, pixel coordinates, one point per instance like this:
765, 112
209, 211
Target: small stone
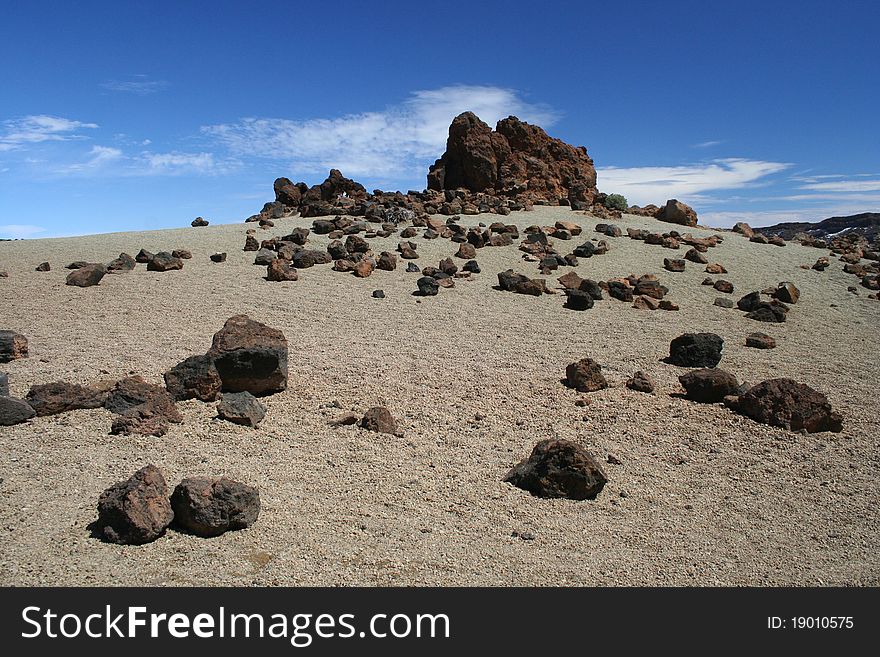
218, 257
12, 346
379, 419
164, 261
241, 408
585, 375
44, 266
724, 302
760, 341
641, 382
378, 294
87, 275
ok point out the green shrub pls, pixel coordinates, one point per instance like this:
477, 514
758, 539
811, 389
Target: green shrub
615, 202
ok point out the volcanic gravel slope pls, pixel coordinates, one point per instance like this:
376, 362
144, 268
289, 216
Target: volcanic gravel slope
702, 496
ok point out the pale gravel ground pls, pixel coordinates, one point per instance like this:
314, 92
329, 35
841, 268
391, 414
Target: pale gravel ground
703, 497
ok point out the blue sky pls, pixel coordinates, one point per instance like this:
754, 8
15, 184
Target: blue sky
126, 116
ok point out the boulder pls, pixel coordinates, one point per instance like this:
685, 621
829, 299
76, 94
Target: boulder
218, 257
641, 382
773, 312
198, 222
743, 228
428, 286
379, 419
135, 511
559, 468
709, 386
250, 356
60, 397
676, 265
183, 254
251, 244
209, 507
164, 261
195, 377
387, 261
241, 408
264, 257
466, 251
723, 302
500, 162
578, 300
14, 411
788, 404
121, 264
695, 256
86, 276
723, 286
43, 266
143, 256
280, 270
585, 375
787, 293
364, 267
12, 346
676, 212
511, 281
696, 350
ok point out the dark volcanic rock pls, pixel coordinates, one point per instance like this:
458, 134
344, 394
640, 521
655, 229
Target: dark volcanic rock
44, 266
428, 286
183, 254
195, 377
696, 350
86, 276
379, 419
164, 261
387, 261
709, 386
143, 256
513, 282
123, 263
218, 257
14, 411
585, 375
786, 403
787, 293
241, 408
280, 270
768, 312
500, 162
12, 346
578, 300
209, 507
676, 265
60, 397
250, 356
135, 511
4, 384
559, 468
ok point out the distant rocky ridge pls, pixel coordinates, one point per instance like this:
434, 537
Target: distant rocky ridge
866, 224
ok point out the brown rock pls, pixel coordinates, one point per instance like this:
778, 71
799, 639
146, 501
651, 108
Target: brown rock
363, 268
12, 346
715, 268
196, 377
673, 264
87, 275
709, 386
164, 261
787, 293
760, 341
676, 212
279, 270
559, 468
43, 266
250, 356
379, 419
135, 511
60, 397
743, 228
585, 375
786, 403
641, 382
387, 261
209, 507
466, 251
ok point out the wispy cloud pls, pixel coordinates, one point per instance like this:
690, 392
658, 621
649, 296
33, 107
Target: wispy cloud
707, 144
20, 231
643, 185
844, 186
140, 85
179, 162
396, 143
757, 218
39, 128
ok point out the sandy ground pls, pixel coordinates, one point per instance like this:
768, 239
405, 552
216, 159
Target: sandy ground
703, 496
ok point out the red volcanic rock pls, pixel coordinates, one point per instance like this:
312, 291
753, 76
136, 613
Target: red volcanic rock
514, 160
135, 511
676, 212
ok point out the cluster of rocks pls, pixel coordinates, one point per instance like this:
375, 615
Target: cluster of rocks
87, 274
773, 311
139, 510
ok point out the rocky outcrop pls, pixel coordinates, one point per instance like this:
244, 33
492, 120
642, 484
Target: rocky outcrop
516, 160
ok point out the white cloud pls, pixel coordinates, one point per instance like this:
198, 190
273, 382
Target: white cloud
398, 142
178, 162
706, 144
844, 186
20, 231
642, 185
726, 219
40, 128
140, 86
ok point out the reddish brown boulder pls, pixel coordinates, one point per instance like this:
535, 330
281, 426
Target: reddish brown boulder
209, 507
280, 270
676, 265
585, 375
387, 261
709, 386
87, 275
196, 377
787, 293
786, 403
515, 160
760, 341
135, 511
559, 468
715, 268
164, 261
641, 382
743, 228
676, 212
363, 268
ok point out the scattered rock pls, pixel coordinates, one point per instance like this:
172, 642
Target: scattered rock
209, 507
345, 420
164, 261
715, 268
676, 265
143, 256
183, 254
743, 228
723, 302
709, 386
559, 468
585, 375
379, 419
695, 256
280, 270
60, 397
135, 511
786, 403
241, 408
723, 286
428, 286
86, 276
641, 382
14, 411
363, 268
12, 346
466, 251
696, 350
387, 261
760, 341
676, 212
251, 244
250, 356
787, 293
218, 257
122, 264
198, 222
511, 281
44, 266
578, 300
